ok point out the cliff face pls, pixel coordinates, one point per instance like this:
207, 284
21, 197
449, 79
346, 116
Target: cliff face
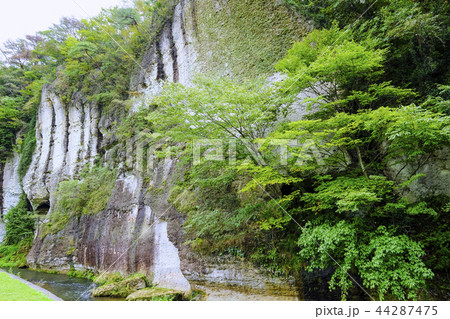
139, 231
10, 188
172, 56
217, 37
67, 138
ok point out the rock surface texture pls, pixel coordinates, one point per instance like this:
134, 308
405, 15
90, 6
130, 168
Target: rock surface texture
10, 189
66, 140
11, 184
2, 231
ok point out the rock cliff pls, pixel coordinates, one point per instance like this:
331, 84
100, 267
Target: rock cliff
66, 140
139, 231
10, 188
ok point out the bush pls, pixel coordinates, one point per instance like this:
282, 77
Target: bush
15, 255
19, 223
74, 198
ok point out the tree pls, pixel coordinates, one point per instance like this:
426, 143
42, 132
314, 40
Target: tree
18, 52
220, 108
19, 223
390, 265
337, 73
9, 123
414, 32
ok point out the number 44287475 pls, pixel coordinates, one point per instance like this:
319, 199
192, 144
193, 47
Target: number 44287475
407, 310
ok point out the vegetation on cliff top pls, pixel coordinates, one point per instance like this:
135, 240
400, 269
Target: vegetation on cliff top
96, 56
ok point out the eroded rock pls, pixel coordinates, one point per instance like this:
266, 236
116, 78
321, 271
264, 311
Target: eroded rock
11, 183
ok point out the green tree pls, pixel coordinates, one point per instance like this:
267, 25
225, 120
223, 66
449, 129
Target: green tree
221, 108
338, 74
19, 223
9, 123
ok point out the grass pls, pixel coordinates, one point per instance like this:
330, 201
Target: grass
14, 290
15, 255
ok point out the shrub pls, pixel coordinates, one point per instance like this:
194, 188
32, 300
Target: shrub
19, 223
74, 198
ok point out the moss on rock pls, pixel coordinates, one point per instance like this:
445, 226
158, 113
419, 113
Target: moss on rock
122, 288
246, 37
156, 294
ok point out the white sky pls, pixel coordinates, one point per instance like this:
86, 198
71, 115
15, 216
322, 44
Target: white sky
21, 17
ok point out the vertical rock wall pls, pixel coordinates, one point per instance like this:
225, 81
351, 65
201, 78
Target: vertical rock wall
2, 231
11, 183
66, 140
172, 56
11, 189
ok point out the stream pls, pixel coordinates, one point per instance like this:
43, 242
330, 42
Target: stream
65, 287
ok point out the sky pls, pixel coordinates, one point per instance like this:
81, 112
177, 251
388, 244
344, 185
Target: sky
21, 17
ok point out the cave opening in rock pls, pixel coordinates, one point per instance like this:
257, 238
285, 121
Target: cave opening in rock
43, 208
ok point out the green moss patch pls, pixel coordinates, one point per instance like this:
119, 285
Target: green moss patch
15, 255
122, 288
246, 37
156, 294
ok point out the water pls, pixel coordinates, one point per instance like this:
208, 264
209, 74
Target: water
65, 287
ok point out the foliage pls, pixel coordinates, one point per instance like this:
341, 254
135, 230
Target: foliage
324, 12
331, 204
213, 220
9, 123
439, 103
19, 223
220, 108
389, 265
74, 198
15, 255
337, 73
414, 32
351, 190
86, 274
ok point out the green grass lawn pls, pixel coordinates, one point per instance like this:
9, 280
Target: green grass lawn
14, 290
